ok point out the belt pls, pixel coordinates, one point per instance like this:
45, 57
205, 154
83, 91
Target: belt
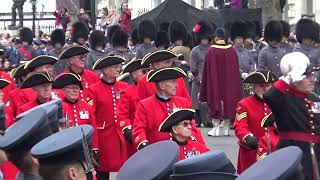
300, 136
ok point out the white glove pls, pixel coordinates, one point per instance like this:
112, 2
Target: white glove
296, 74
244, 75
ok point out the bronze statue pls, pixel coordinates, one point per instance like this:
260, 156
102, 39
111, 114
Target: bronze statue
17, 5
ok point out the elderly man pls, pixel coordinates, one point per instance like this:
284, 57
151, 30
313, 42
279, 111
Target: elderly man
104, 96
296, 109
153, 110
179, 124
250, 113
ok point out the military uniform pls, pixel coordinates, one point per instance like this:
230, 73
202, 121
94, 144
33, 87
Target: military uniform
246, 61
311, 52
6, 90
269, 58
143, 49
93, 56
146, 29
262, 151
18, 97
286, 47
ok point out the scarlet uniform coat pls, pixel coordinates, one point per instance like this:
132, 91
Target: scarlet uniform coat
112, 151
88, 78
8, 88
126, 110
221, 81
18, 97
151, 112
81, 113
191, 148
263, 144
249, 113
146, 89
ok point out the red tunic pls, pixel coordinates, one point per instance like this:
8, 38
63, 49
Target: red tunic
104, 97
19, 97
8, 88
146, 89
221, 81
263, 144
126, 107
151, 112
81, 113
192, 148
249, 113
9, 170
88, 78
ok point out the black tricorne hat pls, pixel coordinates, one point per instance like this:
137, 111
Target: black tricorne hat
26, 35
157, 56
165, 74
37, 79
58, 36
79, 30
306, 28
19, 71
133, 65
162, 39
26, 132
97, 38
4, 83
40, 61
238, 29
108, 61
146, 29
273, 31
203, 30
66, 79
177, 31
176, 117
73, 51
261, 76
119, 38
64, 146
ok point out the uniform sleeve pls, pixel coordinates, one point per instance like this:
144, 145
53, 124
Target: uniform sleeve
252, 63
89, 61
262, 60
123, 111
184, 89
274, 97
95, 133
140, 126
193, 63
241, 123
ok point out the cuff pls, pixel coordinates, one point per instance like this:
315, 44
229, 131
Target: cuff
281, 85
250, 134
126, 127
142, 143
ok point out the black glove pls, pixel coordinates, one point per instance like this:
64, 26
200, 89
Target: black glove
95, 155
143, 145
127, 133
251, 142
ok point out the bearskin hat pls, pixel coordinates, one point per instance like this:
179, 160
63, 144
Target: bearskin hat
285, 28
177, 31
112, 29
251, 29
258, 29
119, 38
238, 29
96, 39
162, 40
79, 30
164, 26
306, 28
134, 37
26, 35
273, 31
190, 41
146, 29
203, 30
58, 36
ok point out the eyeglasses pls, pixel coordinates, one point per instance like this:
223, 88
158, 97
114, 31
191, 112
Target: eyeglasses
185, 124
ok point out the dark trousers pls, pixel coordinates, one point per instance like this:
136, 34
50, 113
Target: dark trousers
18, 7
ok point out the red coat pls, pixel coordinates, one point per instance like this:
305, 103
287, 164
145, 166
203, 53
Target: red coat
126, 107
220, 86
192, 148
249, 113
19, 97
57, 14
8, 88
112, 149
125, 21
88, 78
151, 112
263, 144
9, 170
146, 89
81, 113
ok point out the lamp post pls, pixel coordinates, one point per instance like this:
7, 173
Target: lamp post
33, 3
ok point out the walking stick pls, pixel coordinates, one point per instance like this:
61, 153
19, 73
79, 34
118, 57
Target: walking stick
314, 162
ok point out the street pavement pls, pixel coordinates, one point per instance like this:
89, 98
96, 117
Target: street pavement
227, 144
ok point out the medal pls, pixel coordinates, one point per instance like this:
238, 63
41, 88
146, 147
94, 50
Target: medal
118, 95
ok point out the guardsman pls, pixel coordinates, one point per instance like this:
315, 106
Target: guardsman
146, 34
159, 59
250, 112
128, 101
22, 136
97, 41
270, 56
79, 34
285, 36
66, 154
104, 96
58, 40
152, 111
76, 64
296, 110
26, 36
76, 112
178, 34
119, 42
41, 84
179, 124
